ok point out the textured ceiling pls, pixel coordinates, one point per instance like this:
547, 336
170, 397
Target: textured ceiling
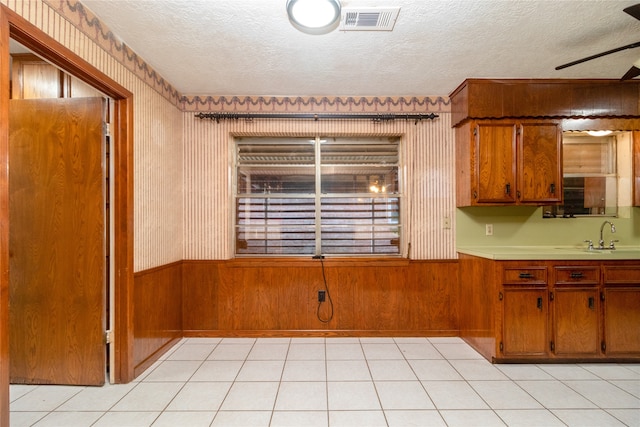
248, 47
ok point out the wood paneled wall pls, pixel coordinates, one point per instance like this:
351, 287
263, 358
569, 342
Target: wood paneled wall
157, 322
279, 297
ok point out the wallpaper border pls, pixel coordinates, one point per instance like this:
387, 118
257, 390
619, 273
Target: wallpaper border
316, 104
85, 21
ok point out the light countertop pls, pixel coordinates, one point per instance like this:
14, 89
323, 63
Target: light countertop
516, 253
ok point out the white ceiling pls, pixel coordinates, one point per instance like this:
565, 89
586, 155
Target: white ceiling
248, 47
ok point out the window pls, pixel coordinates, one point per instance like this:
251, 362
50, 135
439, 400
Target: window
590, 176
312, 196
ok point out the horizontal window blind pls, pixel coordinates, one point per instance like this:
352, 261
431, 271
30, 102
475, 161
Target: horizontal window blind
306, 196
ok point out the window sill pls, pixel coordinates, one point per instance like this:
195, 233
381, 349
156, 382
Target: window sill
307, 261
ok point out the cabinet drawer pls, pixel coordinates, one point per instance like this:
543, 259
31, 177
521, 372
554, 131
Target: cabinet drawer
577, 274
525, 275
621, 274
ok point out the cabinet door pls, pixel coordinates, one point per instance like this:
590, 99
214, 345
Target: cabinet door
622, 320
539, 164
495, 162
575, 321
525, 321
636, 168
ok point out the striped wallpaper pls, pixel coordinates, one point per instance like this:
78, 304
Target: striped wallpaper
428, 158
182, 176
157, 133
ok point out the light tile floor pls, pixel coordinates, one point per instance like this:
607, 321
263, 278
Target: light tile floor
340, 382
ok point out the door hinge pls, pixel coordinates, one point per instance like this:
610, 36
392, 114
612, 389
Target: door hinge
108, 336
107, 129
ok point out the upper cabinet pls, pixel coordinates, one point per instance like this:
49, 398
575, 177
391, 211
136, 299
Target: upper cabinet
540, 163
496, 99
509, 134
507, 162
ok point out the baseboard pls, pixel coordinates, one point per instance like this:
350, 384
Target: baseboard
155, 356
317, 333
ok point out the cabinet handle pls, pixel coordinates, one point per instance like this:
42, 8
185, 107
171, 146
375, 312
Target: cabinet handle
552, 189
475, 194
591, 303
518, 194
539, 303
576, 274
526, 276
507, 189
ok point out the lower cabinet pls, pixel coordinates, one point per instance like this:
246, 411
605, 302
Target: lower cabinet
575, 302
621, 311
525, 322
575, 322
554, 310
524, 309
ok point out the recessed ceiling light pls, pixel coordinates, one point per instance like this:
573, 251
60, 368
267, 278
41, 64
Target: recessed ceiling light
599, 132
314, 16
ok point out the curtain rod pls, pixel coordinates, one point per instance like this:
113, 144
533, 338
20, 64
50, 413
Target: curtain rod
317, 116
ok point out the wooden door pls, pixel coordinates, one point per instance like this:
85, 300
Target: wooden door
539, 172
57, 240
495, 168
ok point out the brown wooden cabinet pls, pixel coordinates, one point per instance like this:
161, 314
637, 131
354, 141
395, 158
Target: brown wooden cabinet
524, 320
508, 162
551, 310
574, 104
569, 98
575, 302
621, 301
524, 308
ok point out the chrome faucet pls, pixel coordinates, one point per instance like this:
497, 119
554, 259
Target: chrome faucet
601, 242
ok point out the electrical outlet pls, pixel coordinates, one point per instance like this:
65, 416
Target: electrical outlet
321, 296
488, 229
446, 223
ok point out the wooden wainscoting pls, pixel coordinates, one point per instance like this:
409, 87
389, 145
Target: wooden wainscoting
157, 303
279, 297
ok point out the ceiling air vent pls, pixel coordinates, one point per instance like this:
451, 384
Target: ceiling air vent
369, 19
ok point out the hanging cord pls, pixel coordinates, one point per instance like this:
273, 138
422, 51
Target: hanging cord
326, 288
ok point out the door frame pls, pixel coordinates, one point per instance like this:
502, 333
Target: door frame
13, 26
